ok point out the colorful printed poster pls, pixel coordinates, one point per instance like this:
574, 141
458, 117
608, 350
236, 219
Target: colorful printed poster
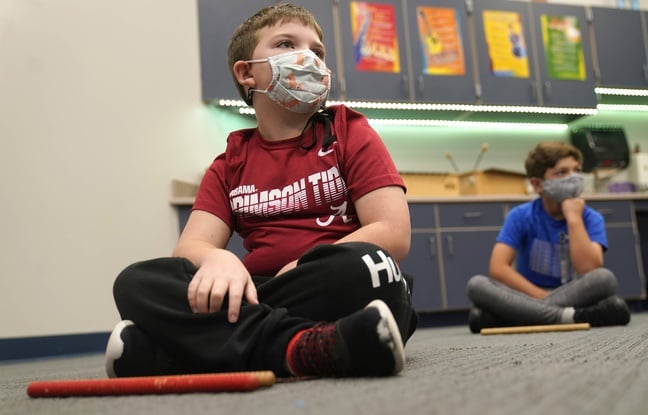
440, 40
507, 49
561, 37
375, 39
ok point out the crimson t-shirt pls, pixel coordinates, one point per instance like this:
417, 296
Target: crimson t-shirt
283, 199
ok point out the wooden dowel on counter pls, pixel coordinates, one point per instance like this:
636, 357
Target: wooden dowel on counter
535, 329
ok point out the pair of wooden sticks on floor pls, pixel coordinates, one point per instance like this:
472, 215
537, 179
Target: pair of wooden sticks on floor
214, 382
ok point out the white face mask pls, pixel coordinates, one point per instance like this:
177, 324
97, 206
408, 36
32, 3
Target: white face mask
300, 81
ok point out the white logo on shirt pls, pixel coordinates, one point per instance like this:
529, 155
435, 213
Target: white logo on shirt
339, 211
323, 153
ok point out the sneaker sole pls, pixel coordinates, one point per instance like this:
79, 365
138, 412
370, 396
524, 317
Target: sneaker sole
389, 332
115, 347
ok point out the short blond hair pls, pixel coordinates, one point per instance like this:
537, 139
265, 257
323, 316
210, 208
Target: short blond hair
244, 40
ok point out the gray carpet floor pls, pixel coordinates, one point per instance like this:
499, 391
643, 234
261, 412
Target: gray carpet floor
448, 371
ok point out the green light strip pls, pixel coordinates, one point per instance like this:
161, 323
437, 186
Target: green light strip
626, 107
435, 107
622, 92
245, 110
466, 108
471, 124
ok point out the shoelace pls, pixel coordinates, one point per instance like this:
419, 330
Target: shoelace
315, 349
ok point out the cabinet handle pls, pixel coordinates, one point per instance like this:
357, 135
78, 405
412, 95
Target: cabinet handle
406, 88
421, 85
547, 88
534, 91
432, 242
450, 245
472, 215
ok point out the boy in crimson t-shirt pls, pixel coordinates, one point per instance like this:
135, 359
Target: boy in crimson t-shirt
322, 212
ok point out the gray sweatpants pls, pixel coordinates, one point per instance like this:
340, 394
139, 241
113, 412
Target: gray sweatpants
517, 307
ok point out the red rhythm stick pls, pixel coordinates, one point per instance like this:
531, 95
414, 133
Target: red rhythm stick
214, 382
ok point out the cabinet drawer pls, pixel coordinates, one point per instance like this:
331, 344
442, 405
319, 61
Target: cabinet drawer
422, 215
613, 210
460, 215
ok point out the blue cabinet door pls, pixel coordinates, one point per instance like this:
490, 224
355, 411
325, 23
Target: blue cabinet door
442, 63
422, 262
622, 258
423, 259
620, 47
564, 50
374, 51
323, 12
465, 254
216, 23
467, 235
504, 56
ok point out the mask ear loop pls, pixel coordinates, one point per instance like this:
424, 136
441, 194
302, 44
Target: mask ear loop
329, 138
322, 116
248, 101
311, 121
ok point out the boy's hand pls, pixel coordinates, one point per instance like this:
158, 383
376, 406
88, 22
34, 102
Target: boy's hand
572, 209
222, 274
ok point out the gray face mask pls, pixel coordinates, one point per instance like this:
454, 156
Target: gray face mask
563, 188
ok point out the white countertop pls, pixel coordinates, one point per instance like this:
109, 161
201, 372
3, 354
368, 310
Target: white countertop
521, 197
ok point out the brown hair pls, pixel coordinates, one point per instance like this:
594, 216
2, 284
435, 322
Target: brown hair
545, 156
244, 40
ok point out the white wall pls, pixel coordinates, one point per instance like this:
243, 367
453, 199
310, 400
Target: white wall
100, 109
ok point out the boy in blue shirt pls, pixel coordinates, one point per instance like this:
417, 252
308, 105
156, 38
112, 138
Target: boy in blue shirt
547, 263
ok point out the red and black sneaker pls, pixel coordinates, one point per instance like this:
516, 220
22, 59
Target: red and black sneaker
366, 343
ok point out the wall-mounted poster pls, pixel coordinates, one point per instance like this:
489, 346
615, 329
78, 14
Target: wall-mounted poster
440, 40
506, 46
561, 37
375, 39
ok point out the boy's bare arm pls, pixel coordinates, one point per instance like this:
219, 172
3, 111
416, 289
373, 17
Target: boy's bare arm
585, 255
202, 233
384, 219
501, 269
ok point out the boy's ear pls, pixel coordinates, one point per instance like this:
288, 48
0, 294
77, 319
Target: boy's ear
536, 183
242, 74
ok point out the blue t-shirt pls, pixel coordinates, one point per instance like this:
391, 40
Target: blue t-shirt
536, 238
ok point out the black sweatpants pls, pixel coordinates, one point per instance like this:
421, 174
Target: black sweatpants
329, 282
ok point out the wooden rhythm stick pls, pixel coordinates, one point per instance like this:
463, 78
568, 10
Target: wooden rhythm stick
213, 382
535, 329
